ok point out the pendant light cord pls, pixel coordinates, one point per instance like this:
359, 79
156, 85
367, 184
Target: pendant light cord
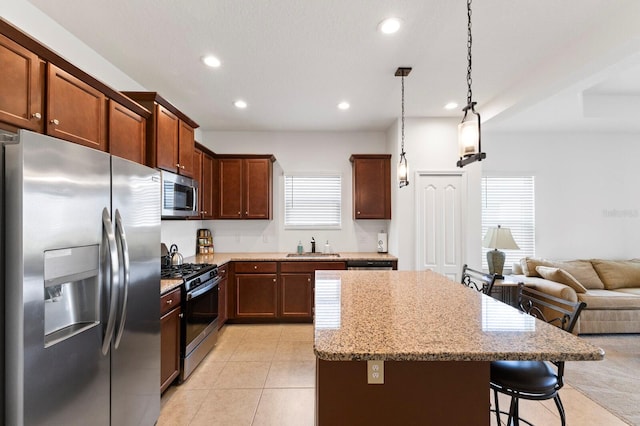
402, 120
469, 43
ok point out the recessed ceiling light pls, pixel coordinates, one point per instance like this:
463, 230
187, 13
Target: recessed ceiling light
389, 25
211, 61
344, 105
451, 105
240, 104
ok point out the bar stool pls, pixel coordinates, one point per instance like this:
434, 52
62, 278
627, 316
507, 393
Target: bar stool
535, 380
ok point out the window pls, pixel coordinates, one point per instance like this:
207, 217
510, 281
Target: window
312, 201
508, 201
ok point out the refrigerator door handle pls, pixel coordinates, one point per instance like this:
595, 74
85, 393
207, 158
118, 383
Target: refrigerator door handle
124, 247
114, 279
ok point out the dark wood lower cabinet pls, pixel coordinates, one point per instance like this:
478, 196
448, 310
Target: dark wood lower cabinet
296, 295
169, 338
267, 291
222, 295
256, 295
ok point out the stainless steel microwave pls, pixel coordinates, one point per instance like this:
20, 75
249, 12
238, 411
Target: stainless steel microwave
179, 195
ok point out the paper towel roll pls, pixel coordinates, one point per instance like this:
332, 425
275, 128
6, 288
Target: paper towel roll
382, 242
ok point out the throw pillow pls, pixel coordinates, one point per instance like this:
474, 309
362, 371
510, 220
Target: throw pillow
583, 271
618, 273
529, 265
560, 276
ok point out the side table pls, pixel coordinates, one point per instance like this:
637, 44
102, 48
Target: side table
506, 290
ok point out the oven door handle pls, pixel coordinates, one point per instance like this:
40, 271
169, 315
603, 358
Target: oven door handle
203, 289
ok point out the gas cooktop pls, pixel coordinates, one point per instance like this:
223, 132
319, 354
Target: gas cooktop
186, 270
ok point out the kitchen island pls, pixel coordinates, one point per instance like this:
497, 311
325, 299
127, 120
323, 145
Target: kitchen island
435, 339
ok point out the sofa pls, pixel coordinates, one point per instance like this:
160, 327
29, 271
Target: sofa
610, 288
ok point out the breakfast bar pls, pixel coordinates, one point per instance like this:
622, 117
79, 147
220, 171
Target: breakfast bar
413, 347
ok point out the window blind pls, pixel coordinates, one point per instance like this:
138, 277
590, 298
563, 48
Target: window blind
509, 201
313, 201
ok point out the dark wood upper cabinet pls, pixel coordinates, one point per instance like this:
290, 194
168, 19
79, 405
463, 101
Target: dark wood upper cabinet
170, 135
127, 133
21, 87
207, 186
75, 110
245, 186
371, 186
166, 139
186, 145
203, 171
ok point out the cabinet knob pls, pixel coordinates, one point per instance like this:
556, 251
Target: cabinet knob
182, 167
36, 115
178, 165
181, 315
255, 266
246, 213
308, 280
170, 301
54, 121
239, 213
274, 280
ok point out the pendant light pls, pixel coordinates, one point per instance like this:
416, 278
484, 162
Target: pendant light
403, 169
469, 127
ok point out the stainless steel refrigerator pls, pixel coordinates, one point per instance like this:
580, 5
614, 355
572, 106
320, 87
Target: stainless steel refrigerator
81, 273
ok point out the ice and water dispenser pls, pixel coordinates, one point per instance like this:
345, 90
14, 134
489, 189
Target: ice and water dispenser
71, 292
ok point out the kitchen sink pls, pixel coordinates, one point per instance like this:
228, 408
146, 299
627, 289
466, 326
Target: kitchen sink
313, 255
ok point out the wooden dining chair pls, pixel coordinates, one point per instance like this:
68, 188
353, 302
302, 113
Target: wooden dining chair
477, 280
534, 380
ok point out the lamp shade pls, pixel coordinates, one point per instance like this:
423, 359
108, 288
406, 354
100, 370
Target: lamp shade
499, 238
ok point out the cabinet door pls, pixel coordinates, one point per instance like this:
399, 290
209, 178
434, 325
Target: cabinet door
186, 145
169, 348
197, 172
256, 295
166, 139
127, 133
257, 186
372, 188
230, 184
296, 295
222, 302
206, 189
21, 87
75, 111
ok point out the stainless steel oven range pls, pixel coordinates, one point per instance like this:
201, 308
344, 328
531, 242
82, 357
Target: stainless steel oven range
199, 312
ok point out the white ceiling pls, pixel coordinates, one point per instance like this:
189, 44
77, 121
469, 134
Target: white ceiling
293, 61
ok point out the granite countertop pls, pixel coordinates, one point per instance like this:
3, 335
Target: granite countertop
424, 316
220, 259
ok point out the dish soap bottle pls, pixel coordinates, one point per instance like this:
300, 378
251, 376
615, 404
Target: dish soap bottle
300, 247
327, 248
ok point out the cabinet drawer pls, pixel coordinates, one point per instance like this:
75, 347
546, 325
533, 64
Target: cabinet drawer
311, 266
169, 301
257, 267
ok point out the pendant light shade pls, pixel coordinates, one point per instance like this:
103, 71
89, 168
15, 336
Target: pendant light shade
403, 167
403, 171
469, 128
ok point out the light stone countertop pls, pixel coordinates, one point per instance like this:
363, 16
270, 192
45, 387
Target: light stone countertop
220, 259
424, 316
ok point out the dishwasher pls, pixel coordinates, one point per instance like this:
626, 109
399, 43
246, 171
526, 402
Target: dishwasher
369, 265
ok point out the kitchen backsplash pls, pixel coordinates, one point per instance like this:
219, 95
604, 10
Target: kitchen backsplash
263, 236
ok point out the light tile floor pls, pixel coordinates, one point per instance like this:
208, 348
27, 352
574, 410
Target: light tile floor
265, 375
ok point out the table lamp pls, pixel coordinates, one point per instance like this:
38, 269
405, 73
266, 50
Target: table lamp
498, 238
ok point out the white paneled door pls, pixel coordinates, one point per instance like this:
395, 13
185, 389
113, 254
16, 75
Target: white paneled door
439, 212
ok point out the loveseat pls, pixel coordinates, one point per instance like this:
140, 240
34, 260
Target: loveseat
610, 288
